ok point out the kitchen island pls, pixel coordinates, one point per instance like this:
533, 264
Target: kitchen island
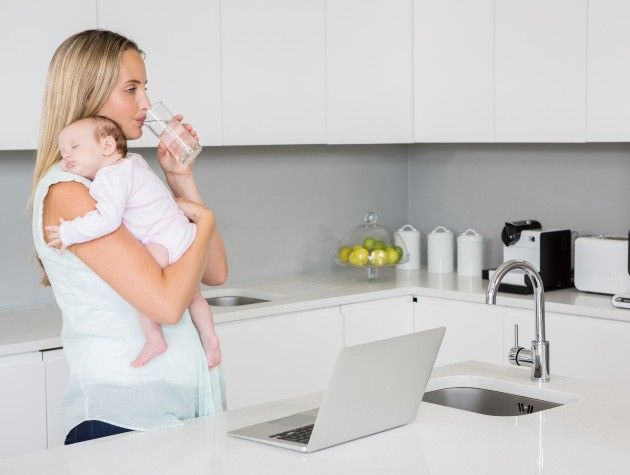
312, 317
588, 435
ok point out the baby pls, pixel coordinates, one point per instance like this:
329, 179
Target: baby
128, 192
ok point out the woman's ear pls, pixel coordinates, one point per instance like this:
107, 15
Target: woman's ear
109, 145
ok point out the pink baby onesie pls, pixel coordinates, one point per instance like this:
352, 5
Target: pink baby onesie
128, 192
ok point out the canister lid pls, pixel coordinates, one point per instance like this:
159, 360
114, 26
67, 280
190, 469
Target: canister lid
440, 233
470, 235
407, 228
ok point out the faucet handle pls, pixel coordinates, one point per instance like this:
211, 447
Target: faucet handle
515, 350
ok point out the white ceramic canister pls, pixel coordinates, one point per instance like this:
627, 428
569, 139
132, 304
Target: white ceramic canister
440, 250
411, 239
469, 253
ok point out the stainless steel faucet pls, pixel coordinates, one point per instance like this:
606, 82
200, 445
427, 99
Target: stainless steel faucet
538, 356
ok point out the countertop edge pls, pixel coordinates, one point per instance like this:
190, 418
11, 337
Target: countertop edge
316, 291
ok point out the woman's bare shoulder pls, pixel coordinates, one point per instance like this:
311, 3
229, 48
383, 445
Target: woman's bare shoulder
68, 199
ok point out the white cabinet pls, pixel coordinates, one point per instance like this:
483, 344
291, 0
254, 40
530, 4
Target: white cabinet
30, 31
57, 374
22, 404
377, 320
273, 69
608, 109
540, 70
453, 70
270, 358
181, 42
369, 71
592, 349
474, 331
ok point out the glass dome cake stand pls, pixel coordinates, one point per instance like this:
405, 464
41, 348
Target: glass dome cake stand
371, 246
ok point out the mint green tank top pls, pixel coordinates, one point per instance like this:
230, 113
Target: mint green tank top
101, 336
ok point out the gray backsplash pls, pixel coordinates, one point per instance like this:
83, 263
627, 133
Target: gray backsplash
281, 210
584, 187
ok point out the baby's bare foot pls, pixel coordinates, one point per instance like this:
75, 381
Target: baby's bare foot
150, 349
212, 348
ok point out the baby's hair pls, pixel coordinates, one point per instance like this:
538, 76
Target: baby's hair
107, 127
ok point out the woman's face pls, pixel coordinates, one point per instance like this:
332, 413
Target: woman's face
128, 103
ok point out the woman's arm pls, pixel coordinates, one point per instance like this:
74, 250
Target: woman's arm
215, 272
182, 183
126, 266
110, 193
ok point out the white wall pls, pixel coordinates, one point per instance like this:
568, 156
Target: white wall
281, 210
583, 187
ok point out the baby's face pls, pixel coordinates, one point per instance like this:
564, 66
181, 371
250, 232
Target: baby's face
81, 153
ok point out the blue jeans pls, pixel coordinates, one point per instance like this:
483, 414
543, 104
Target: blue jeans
89, 430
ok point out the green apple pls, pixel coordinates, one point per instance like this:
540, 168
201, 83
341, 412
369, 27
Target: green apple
399, 250
378, 257
392, 255
359, 257
368, 243
379, 245
343, 253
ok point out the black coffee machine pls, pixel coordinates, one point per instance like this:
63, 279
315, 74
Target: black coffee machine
548, 250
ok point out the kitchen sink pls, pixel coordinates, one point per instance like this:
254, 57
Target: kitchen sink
235, 297
233, 300
493, 397
487, 401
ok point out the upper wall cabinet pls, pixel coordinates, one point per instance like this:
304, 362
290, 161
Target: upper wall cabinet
181, 42
273, 67
540, 70
245, 72
369, 71
608, 71
453, 71
30, 31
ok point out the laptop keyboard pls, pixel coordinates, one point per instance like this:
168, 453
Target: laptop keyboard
300, 435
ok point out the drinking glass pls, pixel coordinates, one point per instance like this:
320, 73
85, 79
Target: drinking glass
172, 133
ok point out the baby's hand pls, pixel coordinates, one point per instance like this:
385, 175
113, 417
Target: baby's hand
54, 239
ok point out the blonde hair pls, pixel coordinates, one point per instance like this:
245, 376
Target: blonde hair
82, 74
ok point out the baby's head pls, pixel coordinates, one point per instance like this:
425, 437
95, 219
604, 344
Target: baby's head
87, 145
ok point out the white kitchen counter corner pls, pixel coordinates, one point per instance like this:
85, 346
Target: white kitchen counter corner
40, 329
588, 436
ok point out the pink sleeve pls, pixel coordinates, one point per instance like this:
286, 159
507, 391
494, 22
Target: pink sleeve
111, 191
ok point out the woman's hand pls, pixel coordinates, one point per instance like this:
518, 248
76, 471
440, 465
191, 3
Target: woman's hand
167, 161
192, 210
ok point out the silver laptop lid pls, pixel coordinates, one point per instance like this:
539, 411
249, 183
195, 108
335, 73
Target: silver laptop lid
374, 387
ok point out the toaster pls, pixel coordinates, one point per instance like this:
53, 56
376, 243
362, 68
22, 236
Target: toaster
602, 265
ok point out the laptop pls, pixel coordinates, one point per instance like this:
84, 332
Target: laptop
373, 387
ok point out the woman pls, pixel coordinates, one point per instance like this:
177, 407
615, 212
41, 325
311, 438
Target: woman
102, 284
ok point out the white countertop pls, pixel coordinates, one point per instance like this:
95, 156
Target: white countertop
588, 436
39, 329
